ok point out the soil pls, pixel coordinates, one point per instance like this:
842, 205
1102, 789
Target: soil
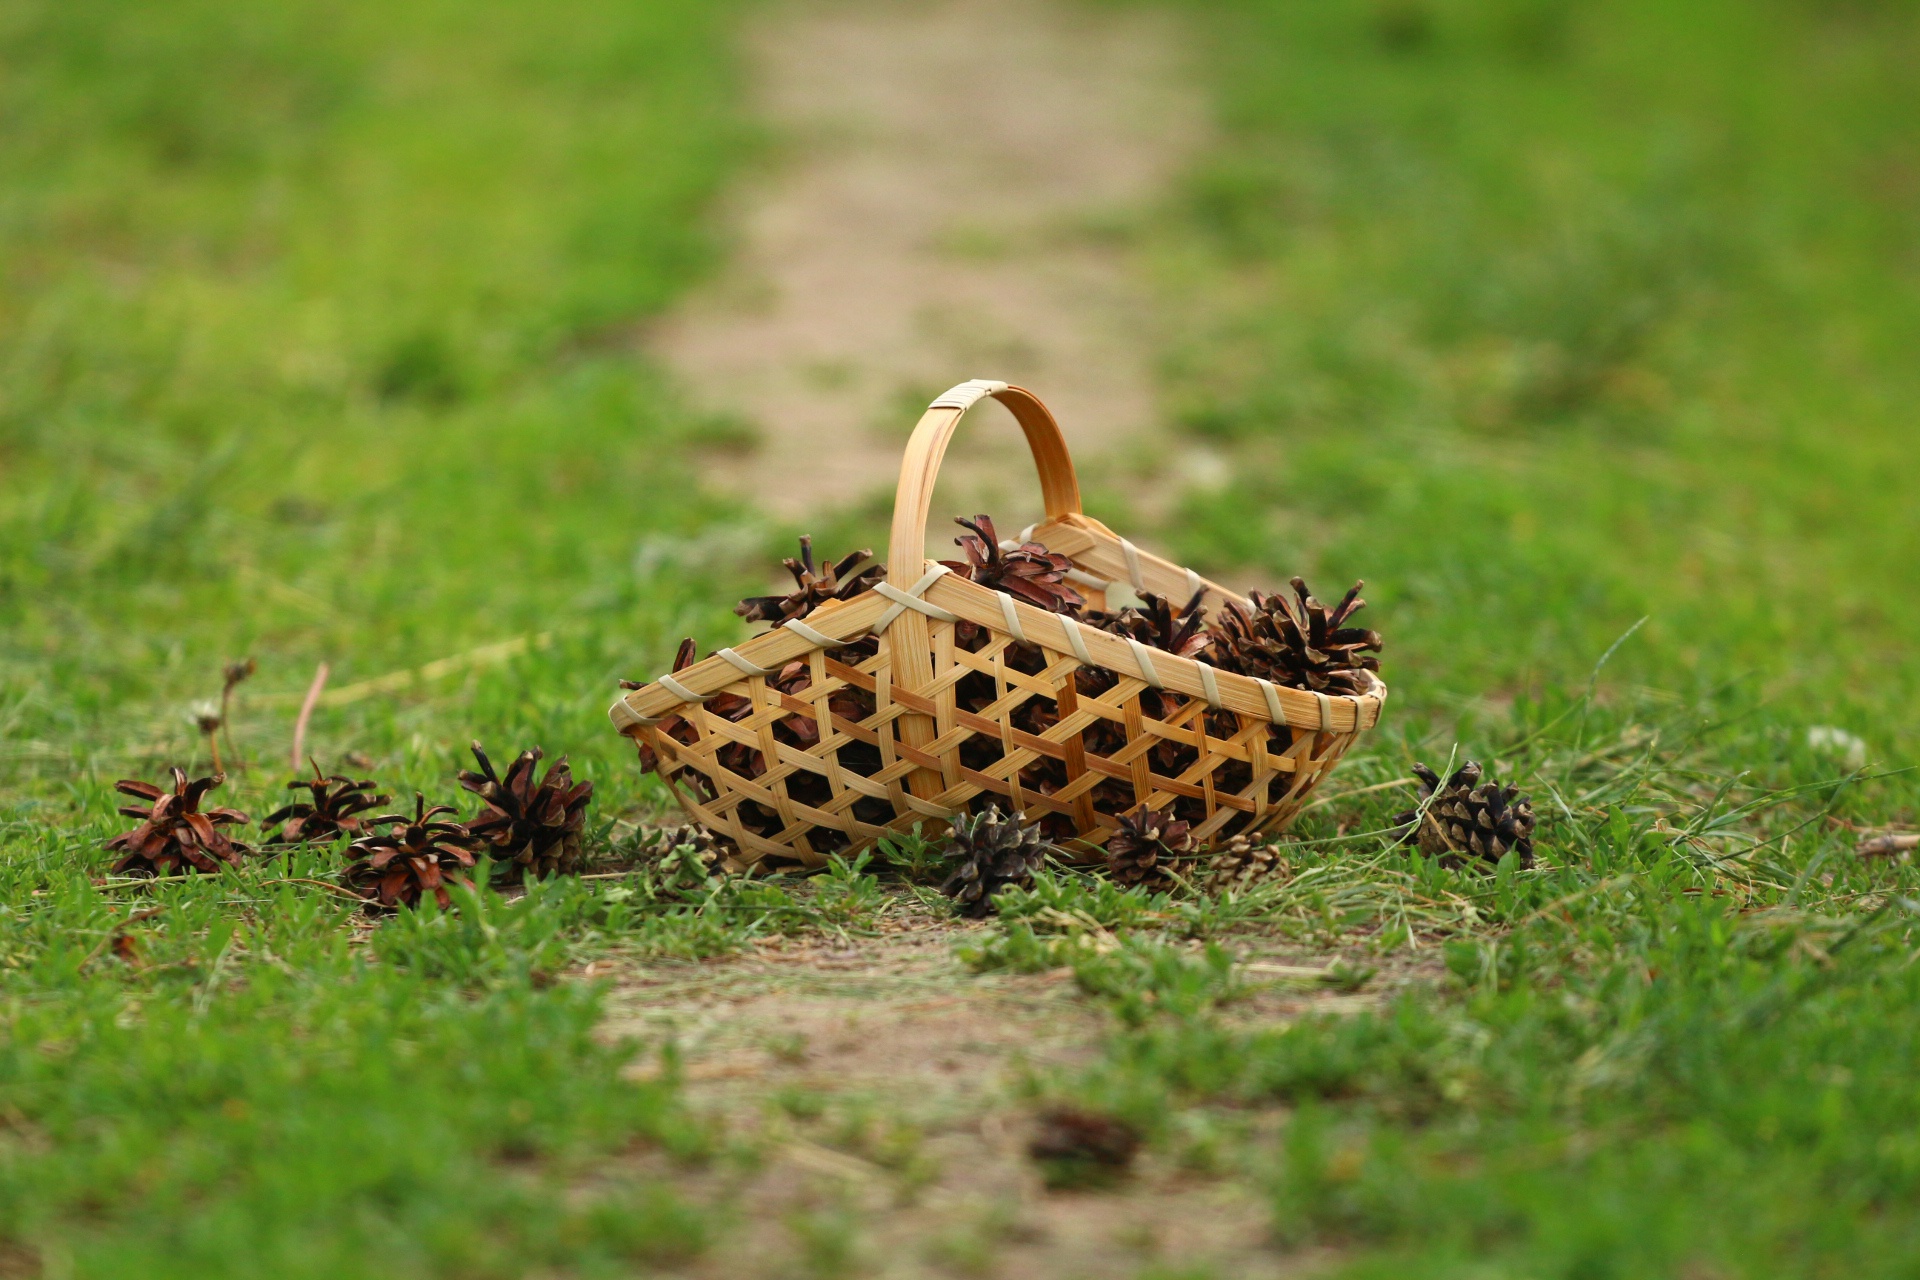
889, 1092
948, 197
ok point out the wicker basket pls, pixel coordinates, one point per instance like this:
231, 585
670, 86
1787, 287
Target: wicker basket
824, 748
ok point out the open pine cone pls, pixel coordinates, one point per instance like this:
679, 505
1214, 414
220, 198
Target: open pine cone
1147, 848
175, 835
815, 586
1029, 572
528, 827
416, 856
334, 809
1467, 819
1156, 624
993, 852
1299, 643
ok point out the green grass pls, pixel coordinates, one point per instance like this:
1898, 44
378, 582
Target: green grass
1548, 317
317, 344
318, 332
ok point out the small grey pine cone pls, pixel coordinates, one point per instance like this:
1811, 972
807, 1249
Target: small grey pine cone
690, 854
991, 852
1240, 863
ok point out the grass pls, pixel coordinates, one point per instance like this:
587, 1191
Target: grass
1549, 317
317, 344
316, 328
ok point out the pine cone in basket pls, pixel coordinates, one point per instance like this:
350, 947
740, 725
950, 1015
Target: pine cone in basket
530, 828
1467, 819
1299, 643
176, 835
1158, 625
1240, 864
993, 852
335, 809
815, 586
736, 756
1148, 848
1029, 572
417, 856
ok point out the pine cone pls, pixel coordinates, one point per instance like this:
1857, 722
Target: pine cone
1029, 572
175, 835
1078, 1145
1240, 863
690, 856
530, 828
1467, 819
1298, 643
1157, 625
334, 809
1146, 847
417, 856
994, 852
816, 586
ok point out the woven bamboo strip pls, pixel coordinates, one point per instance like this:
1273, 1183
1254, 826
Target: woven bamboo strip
1243, 754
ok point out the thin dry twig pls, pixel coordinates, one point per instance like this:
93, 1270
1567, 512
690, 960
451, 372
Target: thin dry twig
318, 884
235, 674
306, 713
116, 932
1889, 845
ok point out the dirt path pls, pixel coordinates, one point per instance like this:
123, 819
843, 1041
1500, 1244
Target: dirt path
883, 1085
881, 1081
948, 199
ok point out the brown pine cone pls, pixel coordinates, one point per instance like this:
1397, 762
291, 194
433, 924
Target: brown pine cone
1298, 643
814, 586
1468, 820
1156, 624
529, 828
417, 856
335, 809
176, 835
1148, 849
1029, 572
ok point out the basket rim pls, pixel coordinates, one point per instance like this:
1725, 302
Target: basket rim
841, 622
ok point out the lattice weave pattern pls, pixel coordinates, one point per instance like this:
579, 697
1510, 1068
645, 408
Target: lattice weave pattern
926, 697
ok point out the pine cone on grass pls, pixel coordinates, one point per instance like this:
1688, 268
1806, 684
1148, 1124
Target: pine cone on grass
814, 586
1240, 863
333, 810
993, 853
1077, 1147
1468, 820
1299, 643
176, 835
417, 856
528, 828
1148, 849
689, 857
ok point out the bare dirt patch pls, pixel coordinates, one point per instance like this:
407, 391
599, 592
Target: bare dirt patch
883, 1084
947, 199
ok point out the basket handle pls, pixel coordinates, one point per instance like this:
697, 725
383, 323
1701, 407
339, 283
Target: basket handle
912, 500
